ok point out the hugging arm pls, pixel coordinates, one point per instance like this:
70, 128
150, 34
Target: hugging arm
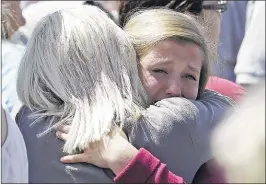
178, 130
129, 164
177, 133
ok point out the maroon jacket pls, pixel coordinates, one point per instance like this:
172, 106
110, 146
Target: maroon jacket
145, 168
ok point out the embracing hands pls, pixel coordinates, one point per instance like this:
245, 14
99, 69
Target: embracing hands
114, 151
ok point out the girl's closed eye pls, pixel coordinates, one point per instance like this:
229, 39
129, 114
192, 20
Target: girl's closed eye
190, 77
160, 71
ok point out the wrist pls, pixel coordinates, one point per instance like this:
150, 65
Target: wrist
123, 152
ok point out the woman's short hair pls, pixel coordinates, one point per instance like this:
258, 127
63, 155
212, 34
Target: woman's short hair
80, 68
146, 28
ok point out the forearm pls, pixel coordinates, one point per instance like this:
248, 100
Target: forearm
145, 168
122, 153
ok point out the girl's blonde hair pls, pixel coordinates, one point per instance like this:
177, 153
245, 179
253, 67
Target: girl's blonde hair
146, 28
80, 69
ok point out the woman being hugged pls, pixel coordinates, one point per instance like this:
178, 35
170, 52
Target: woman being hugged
79, 69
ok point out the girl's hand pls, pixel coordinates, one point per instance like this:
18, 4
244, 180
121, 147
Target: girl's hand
113, 152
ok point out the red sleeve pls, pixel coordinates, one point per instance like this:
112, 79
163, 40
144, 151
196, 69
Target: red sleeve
145, 168
226, 88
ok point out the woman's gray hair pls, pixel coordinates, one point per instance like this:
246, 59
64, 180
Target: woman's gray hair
80, 69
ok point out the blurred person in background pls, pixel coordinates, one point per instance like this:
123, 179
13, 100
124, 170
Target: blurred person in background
239, 141
212, 12
242, 43
112, 6
19, 36
107, 7
208, 12
14, 155
250, 65
25, 4
232, 32
11, 55
37, 10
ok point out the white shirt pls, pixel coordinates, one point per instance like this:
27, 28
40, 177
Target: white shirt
35, 12
250, 66
14, 154
11, 56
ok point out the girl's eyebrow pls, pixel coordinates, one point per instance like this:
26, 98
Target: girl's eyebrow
162, 60
192, 68
167, 61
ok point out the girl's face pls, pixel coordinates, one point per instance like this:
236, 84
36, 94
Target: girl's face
171, 69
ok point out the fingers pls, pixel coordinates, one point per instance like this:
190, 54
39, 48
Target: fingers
61, 135
64, 128
62, 132
77, 158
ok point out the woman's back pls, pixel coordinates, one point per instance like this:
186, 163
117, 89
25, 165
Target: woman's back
176, 130
79, 69
44, 157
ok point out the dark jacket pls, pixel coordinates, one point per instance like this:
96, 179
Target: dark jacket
175, 130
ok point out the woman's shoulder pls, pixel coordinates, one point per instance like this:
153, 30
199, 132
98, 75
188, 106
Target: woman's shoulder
210, 103
213, 98
30, 125
45, 150
23, 114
